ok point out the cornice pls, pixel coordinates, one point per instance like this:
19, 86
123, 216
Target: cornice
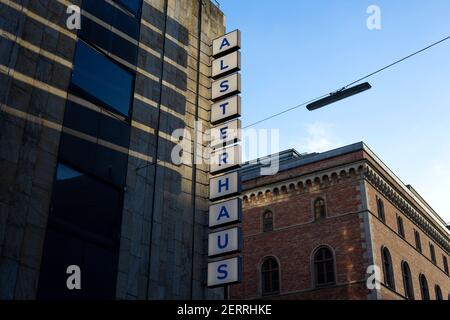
278, 190
281, 190
405, 206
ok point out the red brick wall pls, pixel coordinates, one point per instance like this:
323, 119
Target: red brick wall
296, 235
385, 234
349, 209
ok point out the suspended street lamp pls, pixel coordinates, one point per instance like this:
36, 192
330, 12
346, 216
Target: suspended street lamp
339, 95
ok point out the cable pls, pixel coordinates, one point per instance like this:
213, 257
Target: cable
285, 111
350, 84
398, 61
323, 96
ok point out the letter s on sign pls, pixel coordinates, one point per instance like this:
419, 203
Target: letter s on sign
224, 86
222, 269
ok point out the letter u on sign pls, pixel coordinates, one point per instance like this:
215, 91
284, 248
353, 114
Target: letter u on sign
224, 242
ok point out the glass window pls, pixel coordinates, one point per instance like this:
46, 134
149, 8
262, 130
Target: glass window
86, 203
400, 227
324, 267
131, 5
432, 253
424, 287
387, 268
418, 241
102, 79
445, 263
270, 275
319, 209
113, 16
267, 221
380, 208
83, 229
106, 162
438, 293
407, 281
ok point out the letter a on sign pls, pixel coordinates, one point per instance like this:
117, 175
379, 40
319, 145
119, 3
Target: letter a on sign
227, 43
224, 213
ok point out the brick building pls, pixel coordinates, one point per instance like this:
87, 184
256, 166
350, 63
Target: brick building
312, 230
86, 120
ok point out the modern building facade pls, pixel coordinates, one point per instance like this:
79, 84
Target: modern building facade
86, 176
313, 230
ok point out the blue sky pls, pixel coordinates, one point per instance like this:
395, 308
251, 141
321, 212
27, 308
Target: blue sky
296, 50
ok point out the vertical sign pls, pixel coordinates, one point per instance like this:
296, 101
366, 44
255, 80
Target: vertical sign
225, 185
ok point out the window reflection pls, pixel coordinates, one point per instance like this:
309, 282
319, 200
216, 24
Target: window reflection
83, 229
86, 203
131, 5
99, 77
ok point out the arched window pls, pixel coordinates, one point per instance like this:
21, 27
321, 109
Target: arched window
424, 287
270, 276
319, 209
387, 268
418, 241
438, 292
407, 281
324, 267
380, 209
445, 263
400, 227
267, 221
432, 254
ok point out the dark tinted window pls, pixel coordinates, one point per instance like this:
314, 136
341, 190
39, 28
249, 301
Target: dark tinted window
400, 227
270, 276
387, 268
407, 281
268, 221
445, 263
324, 267
86, 204
113, 16
106, 162
83, 230
98, 76
438, 293
319, 209
432, 254
418, 241
380, 208
132, 5
424, 287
